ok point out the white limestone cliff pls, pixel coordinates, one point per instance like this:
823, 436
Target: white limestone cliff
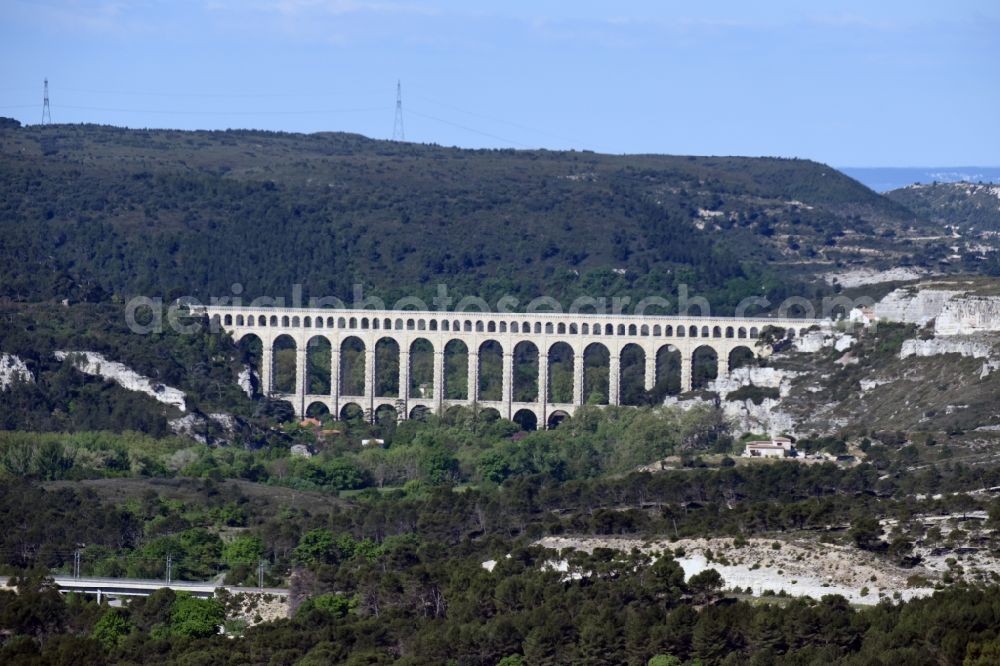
93, 363
13, 369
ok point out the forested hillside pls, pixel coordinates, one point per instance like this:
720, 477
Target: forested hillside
88, 212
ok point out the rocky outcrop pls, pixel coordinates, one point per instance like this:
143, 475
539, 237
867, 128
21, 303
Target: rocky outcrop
912, 305
745, 416
13, 369
93, 363
763, 377
953, 311
975, 347
211, 429
247, 381
813, 341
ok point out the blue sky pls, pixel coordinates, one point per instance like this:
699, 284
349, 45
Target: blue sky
847, 83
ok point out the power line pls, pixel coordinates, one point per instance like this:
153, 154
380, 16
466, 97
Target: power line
470, 129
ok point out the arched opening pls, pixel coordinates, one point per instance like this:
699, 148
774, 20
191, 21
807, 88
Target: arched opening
668, 373
490, 371
525, 372
284, 364
556, 419
456, 370
740, 357
422, 369
633, 375
526, 419
704, 367
386, 417
352, 366
318, 410
352, 413
489, 415
318, 366
560, 373
386, 368
228, 319
251, 353
754, 333
741, 332
596, 373
419, 413
239, 320
285, 321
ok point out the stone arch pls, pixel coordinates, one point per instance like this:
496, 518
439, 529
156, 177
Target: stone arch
251, 349
318, 351
467, 326
262, 320
445, 325
341, 322
754, 333
386, 368
538, 328
274, 320
692, 331
585, 329
385, 415
364, 324
609, 329
668, 373
456, 370
668, 331
419, 413
283, 377
548, 328
741, 333
704, 366
352, 366
491, 327
741, 356
352, 323
556, 419
227, 320
307, 322
422, 369
421, 324
632, 366
717, 332
352, 411
285, 321
490, 371
632, 330
561, 328
503, 327
318, 410
729, 332
560, 356
621, 329
514, 328
525, 372
526, 418
319, 322
705, 332
387, 324
489, 415
479, 327
573, 329
596, 374
329, 322
239, 320
433, 324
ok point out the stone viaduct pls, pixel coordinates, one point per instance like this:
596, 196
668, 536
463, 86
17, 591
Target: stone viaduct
573, 337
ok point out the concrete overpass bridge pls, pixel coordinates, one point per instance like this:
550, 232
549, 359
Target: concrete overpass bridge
398, 361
